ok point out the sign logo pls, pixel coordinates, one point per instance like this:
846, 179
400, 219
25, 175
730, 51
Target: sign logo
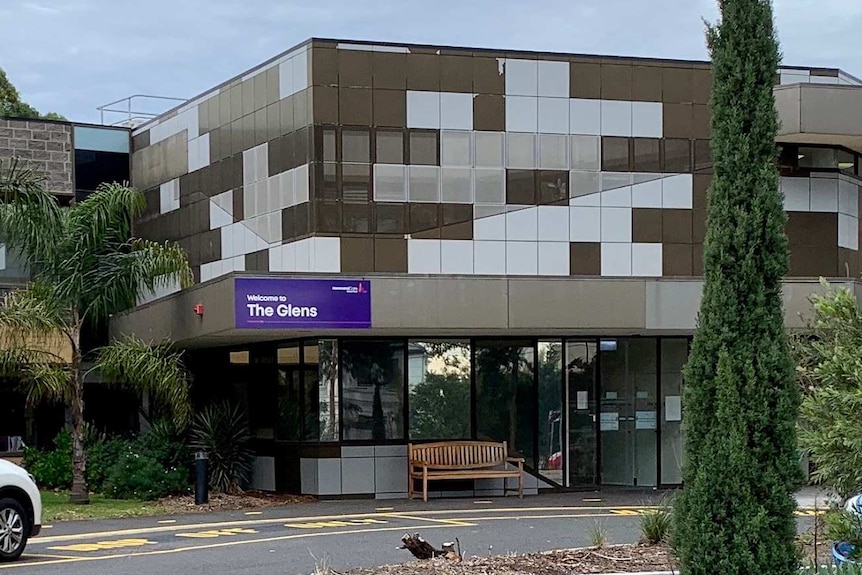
281, 303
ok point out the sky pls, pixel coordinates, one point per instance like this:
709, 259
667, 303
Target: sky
70, 56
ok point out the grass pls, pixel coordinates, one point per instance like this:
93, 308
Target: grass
56, 507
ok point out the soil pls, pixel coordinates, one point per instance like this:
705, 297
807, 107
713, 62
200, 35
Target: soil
229, 502
608, 559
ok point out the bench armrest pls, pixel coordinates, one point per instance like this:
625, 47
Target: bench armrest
515, 459
418, 463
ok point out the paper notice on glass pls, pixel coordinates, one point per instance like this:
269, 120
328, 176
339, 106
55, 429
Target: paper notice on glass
582, 400
610, 422
645, 420
643, 395
611, 395
673, 408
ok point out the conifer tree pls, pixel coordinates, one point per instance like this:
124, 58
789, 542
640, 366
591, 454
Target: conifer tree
735, 514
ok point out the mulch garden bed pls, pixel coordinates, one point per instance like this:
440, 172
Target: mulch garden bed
227, 502
608, 559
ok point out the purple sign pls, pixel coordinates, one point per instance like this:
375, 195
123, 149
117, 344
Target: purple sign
281, 303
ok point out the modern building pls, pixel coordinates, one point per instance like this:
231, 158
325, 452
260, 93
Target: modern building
399, 243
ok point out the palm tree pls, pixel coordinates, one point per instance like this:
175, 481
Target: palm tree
85, 265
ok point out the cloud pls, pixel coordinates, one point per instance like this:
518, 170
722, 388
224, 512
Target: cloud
90, 52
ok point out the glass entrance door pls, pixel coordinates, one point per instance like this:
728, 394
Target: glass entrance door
628, 417
580, 393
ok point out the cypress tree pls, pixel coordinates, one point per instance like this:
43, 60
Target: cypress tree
735, 514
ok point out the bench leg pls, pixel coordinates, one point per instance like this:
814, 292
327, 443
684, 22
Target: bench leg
425, 486
409, 485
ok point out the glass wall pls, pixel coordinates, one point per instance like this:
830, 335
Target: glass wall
505, 400
582, 407
372, 380
439, 385
581, 411
628, 411
674, 354
552, 424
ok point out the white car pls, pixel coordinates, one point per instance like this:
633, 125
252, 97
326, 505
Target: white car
20, 510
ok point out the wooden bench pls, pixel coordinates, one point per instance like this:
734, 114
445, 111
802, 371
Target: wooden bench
461, 460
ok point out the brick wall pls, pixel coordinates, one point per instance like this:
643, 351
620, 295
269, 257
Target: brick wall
45, 146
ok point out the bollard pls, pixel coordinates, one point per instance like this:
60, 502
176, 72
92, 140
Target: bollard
201, 484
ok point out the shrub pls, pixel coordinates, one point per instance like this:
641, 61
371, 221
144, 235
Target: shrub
168, 445
598, 535
101, 456
221, 430
139, 476
52, 469
845, 526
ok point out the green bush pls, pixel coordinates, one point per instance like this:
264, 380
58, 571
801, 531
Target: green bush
846, 526
52, 469
137, 475
221, 430
168, 445
101, 456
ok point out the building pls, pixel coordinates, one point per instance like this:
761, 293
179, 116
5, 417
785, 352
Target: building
73, 159
527, 227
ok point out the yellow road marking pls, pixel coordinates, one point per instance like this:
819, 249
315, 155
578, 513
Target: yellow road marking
454, 522
325, 524
217, 533
483, 502
52, 556
103, 545
385, 509
254, 513
625, 512
165, 521
305, 519
215, 545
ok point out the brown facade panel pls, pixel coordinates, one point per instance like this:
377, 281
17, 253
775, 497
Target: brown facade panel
814, 261
424, 219
585, 259
646, 155
701, 183
210, 246
552, 187
487, 76
327, 217
812, 229
701, 85
489, 113
390, 218
701, 118
238, 204
677, 155
520, 187
647, 225
677, 260
456, 74
697, 259
646, 83
677, 226
354, 106
356, 218
585, 80
324, 66
616, 154
302, 108
698, 226
616, 81
678, 120
390, 255
423, 72
390, 108
257, 261
357, 255
389, 70
354, 69
676, 85
462, 231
